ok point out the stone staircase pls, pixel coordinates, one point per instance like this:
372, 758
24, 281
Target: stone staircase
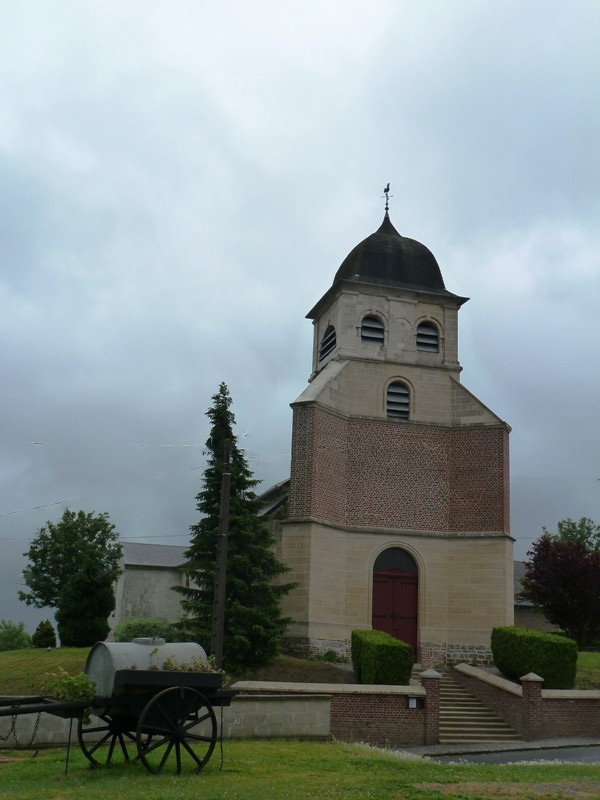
464, 718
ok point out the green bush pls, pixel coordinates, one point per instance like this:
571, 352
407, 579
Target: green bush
81, 631
356, 644
379, 658
138, 627
519, 651
44, 635
13, 636
329, 657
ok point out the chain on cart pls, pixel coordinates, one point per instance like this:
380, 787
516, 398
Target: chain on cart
13, 731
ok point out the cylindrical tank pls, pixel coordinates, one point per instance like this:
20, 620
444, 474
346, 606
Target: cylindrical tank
105, 658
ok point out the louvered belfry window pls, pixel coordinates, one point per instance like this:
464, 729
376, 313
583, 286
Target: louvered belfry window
327, 342
372, 329
398, 400
428, 337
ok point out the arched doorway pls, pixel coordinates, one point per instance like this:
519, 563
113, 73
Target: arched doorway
396, 595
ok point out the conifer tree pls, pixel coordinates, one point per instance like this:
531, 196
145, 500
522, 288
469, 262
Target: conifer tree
253, 617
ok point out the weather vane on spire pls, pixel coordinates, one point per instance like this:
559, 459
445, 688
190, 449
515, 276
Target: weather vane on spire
386, 192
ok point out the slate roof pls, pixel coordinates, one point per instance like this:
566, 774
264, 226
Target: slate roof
519, 572
274, 497
385, 258
389, 259
141, 554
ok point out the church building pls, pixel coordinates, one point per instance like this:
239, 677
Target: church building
398, 511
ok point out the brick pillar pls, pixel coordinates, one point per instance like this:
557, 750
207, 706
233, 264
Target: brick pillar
532, 705
430, 681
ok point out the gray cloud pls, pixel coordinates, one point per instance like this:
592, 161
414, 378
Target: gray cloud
180, 183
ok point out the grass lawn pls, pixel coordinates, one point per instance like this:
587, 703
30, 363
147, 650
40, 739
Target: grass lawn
274, 770
270, 770
588, 671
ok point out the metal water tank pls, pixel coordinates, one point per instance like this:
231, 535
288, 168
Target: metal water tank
106, 658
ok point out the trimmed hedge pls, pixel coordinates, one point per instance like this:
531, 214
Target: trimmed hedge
356, 643
379, 658
519, 651
138, 627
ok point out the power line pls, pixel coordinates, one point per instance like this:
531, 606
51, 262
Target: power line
92, 493
155, 536
258, 458
58, 502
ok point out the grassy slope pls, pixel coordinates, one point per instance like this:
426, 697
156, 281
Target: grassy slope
588, 671
285, 668
22, 671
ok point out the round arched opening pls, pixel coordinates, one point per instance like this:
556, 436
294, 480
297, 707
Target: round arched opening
396, 595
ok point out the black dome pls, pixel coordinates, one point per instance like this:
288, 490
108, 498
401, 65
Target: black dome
388, 259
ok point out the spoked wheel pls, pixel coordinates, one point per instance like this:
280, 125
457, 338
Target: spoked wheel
182, 723
106, 739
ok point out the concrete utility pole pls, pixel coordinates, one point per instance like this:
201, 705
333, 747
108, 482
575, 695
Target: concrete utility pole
218, 620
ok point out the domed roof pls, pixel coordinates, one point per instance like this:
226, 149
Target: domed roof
388, 259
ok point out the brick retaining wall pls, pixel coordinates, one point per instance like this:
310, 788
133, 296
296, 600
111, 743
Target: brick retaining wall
533, 712
379, 715
500, 694
382, 720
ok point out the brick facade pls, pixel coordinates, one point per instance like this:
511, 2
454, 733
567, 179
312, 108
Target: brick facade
368, 472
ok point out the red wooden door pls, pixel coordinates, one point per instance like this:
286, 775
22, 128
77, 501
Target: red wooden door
395, 604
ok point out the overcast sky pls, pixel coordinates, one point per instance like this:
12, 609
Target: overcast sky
179, 182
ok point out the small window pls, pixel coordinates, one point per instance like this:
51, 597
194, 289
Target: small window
428, 337
371, 329
398, 400
327, 342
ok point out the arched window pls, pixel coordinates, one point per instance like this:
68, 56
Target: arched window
372, 329
428, 337
398, 400
327, 342
395, 558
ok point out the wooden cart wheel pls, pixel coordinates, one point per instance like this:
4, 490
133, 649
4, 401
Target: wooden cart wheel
99, 740
182, 721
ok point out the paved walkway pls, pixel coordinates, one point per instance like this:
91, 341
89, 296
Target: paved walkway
434, 750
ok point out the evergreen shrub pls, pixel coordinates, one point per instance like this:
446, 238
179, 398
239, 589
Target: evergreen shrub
81, 631
379, 658
253, 620
153, 627
519, 651
44, 635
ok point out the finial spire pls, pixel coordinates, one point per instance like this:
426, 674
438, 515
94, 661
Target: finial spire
386, 192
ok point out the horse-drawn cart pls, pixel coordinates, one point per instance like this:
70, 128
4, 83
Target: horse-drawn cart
154, 703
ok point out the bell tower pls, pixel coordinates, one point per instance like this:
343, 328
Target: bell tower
399, 505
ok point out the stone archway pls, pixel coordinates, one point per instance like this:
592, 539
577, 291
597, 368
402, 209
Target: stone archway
396, 595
